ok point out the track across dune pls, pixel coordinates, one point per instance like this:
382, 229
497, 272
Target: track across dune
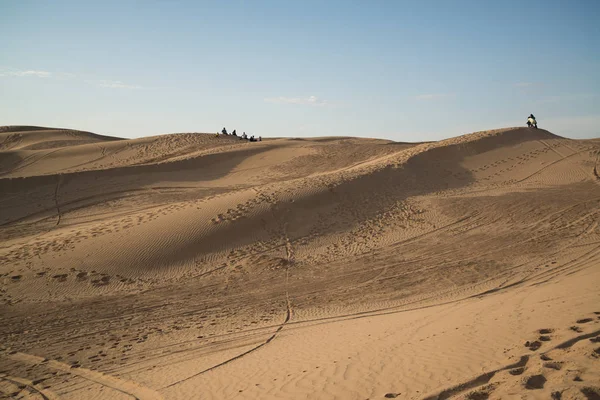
173, 265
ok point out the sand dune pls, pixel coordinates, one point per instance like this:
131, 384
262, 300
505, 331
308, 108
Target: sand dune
192, 266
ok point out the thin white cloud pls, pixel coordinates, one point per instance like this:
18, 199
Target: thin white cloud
309, 101
39, 74
432, 96
117, 85
12, 72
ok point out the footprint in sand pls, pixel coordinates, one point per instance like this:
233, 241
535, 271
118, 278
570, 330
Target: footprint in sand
481, 393
535, 382
105, 280
584, 320
82, 276
533, 346
557, 365
61, 277
591, 393
556, 395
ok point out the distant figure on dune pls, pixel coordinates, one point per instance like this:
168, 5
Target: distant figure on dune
531, 121
242, 136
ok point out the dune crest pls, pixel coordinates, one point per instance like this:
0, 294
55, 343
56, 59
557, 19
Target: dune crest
194, 266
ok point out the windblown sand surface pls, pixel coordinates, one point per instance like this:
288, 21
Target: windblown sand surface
188, 266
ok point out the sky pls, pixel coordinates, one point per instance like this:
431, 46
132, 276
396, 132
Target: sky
400, 70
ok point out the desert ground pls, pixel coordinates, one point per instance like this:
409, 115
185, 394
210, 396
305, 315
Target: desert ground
189, 266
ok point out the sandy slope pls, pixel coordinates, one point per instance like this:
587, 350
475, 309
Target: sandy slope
190, 266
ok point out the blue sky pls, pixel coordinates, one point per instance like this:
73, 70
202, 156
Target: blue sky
402, 70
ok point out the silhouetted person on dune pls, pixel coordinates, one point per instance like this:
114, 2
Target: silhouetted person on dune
531, 121
242, 136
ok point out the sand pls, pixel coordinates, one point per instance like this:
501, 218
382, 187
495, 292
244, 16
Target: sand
189, 266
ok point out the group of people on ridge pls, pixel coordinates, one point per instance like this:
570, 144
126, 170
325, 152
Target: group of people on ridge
531, 121
243, 136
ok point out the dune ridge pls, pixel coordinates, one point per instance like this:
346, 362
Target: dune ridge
194, 266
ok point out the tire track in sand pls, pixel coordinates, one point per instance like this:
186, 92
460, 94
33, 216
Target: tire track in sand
127, 387
45, 393
58, 181
289, 250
